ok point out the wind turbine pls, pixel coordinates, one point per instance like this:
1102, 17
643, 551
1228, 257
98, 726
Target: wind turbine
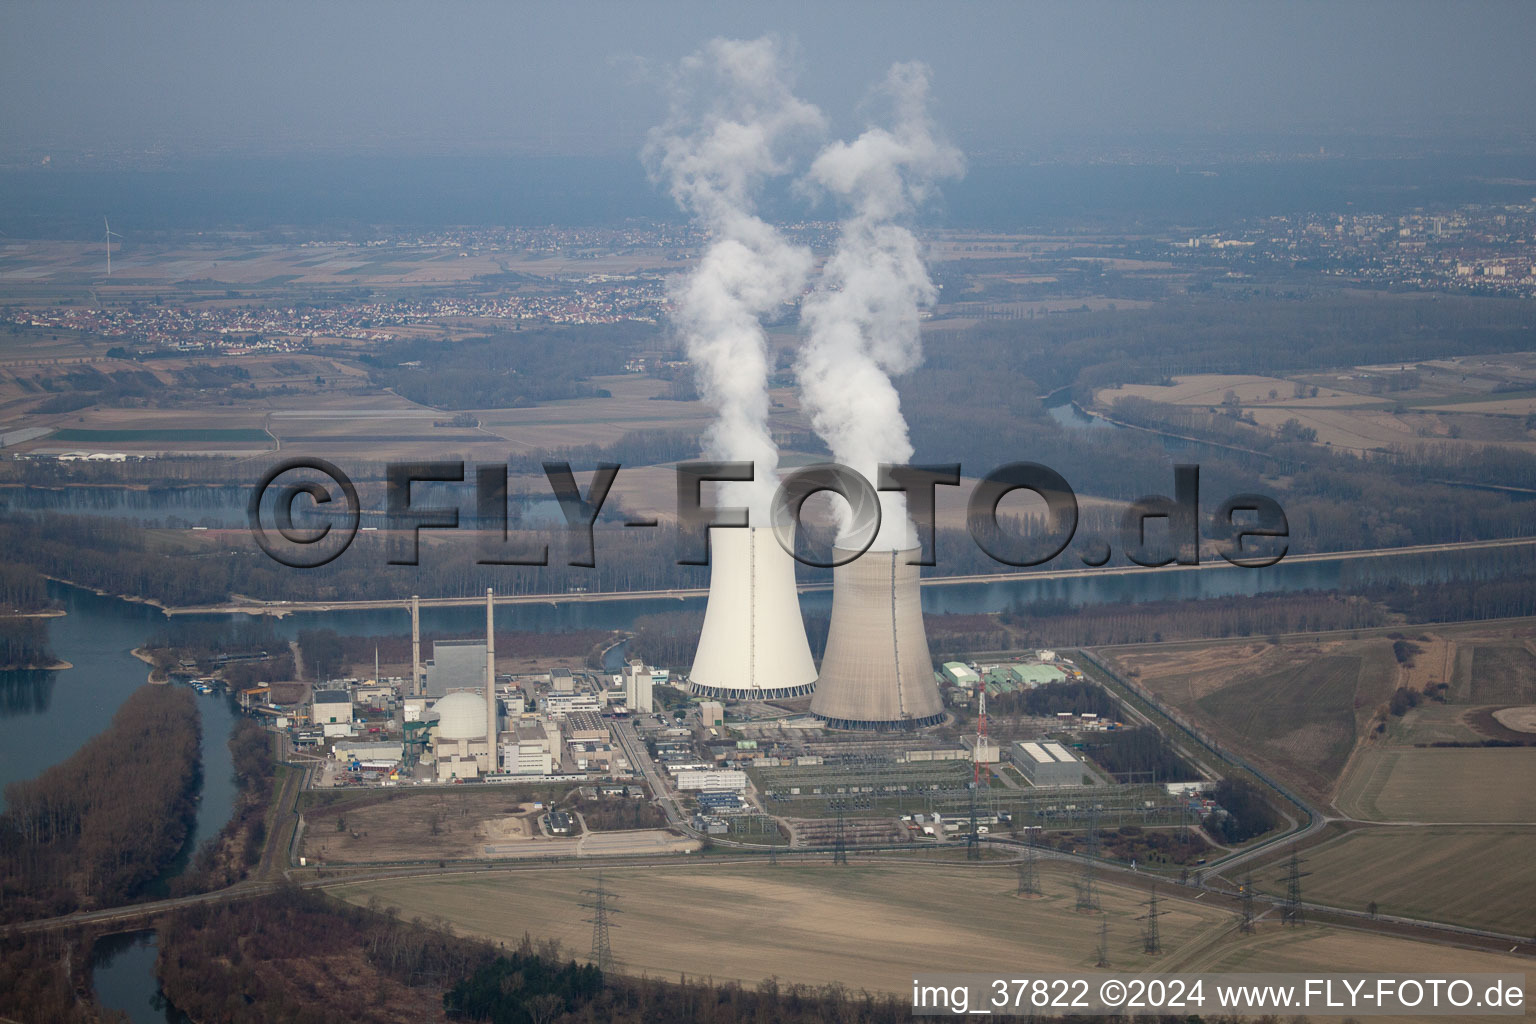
110, 235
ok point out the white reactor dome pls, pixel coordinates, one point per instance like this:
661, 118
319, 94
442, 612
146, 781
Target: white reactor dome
461, 716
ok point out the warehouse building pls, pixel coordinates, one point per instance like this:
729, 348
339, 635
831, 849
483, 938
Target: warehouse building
961, 675
1035, 675
1048, 763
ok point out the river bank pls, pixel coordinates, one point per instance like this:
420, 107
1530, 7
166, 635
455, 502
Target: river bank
240, 605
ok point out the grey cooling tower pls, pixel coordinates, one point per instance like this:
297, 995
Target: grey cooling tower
877, 672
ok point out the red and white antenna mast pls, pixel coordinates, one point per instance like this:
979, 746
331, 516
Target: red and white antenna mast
981, 735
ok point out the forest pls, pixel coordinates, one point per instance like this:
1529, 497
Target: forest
1247, 815
1051, 699
229, 856
22, 590
1138, 755
508, 370
95, 829
24, 643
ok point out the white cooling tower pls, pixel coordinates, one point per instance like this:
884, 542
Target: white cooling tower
877, 672
753, 644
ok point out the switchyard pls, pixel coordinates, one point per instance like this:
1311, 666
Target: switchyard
868, 787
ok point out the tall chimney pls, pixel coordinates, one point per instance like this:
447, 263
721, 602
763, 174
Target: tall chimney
752, 645
490, 678
415, 687
877, 672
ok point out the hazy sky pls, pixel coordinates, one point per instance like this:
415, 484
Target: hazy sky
582, 77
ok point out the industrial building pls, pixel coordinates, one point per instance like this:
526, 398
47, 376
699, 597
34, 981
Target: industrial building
961, 675
710, 779
455, 665
458, 745
711, 714
1048, 763
877, 673
332, 711
638, 685
752, 645
585, 725
560, 705
1027, 675
530, 748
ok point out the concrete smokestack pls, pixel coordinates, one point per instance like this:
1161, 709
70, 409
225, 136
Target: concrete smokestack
753, 645
877, 673
415, 687
490, 677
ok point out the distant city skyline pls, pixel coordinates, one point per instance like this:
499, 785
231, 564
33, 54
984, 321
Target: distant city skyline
1012, 81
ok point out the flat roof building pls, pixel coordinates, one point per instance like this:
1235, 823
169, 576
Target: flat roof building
961, 675
1047, 763
332, 707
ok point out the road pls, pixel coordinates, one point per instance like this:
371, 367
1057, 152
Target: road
640, 760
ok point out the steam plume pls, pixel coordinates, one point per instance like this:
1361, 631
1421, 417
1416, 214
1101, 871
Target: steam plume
733, 121
862, 317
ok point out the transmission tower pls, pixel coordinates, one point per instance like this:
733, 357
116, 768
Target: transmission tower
773, 856
1029, 874
1151, 941
1292, 912
1103, 959
1087, 883
602, 951
1246, 888
840, 844
973, 840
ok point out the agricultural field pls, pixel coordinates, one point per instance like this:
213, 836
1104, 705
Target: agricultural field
1441, 784
820, 924
1298, 707
865, 927
634, 405
1307, 708
1475, 876
1354, 410
1319, 948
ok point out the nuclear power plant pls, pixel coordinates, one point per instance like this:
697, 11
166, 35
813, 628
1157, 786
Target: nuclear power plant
877, 673
752, 646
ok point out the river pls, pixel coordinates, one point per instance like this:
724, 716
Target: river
50, 713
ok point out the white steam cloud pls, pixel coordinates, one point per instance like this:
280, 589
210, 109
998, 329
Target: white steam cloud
862, 318
733, 124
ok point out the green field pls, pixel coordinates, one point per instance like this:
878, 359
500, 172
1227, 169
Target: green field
1442, 784
209, 434
1474, 875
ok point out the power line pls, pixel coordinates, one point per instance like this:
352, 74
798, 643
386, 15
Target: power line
840, 844
1151, 939
1292, 912
1029, 874
602, 950
1087, 883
